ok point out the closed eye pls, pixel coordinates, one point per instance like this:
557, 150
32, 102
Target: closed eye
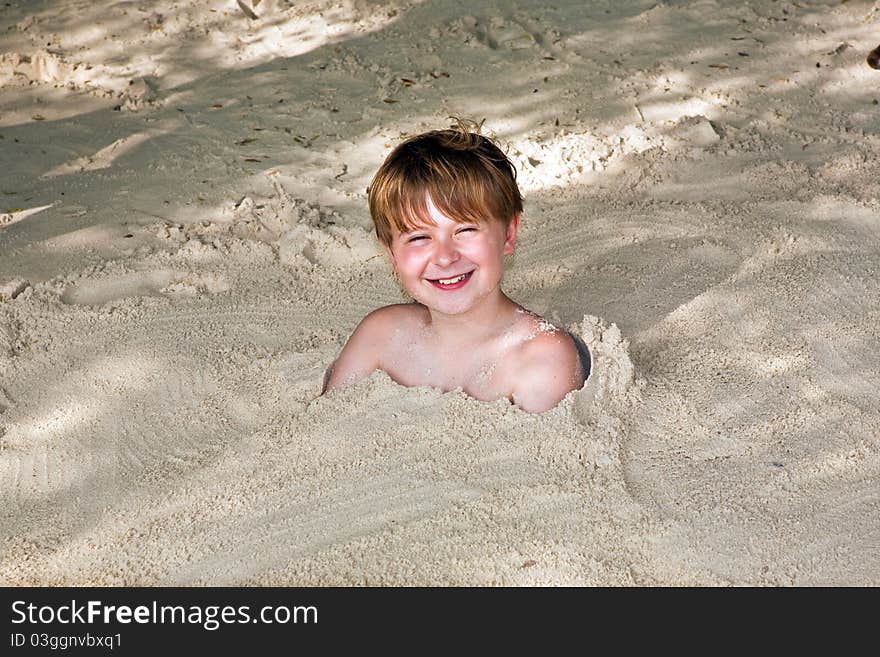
416, 238
467, 229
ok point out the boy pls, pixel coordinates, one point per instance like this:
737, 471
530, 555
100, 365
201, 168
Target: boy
446, 209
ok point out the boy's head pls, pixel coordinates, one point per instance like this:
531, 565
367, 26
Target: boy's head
465, 175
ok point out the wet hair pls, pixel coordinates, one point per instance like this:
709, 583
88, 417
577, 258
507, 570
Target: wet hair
467, 177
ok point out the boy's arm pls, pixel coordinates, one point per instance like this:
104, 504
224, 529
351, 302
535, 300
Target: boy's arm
550, 369
360, 355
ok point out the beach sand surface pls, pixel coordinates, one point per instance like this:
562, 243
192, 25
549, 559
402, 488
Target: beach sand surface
185, 246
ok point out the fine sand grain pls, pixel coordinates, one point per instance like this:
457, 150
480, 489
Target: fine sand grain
185, 246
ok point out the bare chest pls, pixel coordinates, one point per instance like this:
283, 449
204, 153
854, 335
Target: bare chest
480, 373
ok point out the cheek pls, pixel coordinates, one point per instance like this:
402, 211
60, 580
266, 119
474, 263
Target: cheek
412, 265
486, 253
411, 262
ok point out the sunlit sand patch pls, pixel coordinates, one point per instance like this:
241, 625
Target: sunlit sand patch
567, 157
105, 157
43, 67
14, 216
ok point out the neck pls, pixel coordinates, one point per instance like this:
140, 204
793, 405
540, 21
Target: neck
478, 324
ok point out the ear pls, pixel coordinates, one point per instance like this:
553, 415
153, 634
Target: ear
510, 238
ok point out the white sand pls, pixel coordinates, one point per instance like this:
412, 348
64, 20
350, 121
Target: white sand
185, 246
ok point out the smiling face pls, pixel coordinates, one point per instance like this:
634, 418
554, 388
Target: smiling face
451, 267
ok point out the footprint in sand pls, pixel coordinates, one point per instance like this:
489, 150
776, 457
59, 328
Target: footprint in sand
40, 68
48, 69
499, 33
494, 34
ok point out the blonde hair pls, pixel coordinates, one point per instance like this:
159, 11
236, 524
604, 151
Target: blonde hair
466, 176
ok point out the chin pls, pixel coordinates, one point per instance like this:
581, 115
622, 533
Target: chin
454, 306
450, 309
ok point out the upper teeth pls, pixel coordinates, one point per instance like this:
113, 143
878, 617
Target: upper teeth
450, 281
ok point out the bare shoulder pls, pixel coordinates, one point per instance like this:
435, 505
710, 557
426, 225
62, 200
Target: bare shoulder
385, 318
399, 312
389, 321
549, 367
369, 343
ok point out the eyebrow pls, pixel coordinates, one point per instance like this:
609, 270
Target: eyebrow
415, 228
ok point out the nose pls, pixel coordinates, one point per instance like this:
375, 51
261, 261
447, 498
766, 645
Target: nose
445, 252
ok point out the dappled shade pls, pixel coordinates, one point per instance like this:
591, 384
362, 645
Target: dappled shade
185, 245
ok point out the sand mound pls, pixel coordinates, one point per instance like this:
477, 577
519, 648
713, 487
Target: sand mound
612, 375
154, 377
252, 479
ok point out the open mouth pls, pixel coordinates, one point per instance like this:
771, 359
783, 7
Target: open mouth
452, 283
